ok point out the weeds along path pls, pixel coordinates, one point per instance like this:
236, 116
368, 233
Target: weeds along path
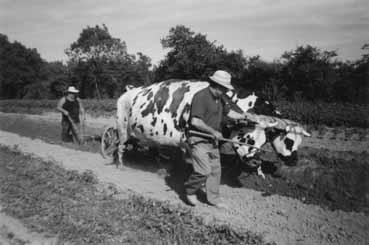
12, 231
280, 219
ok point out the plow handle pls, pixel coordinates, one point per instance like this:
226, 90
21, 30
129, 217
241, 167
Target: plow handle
75, 130
197, 133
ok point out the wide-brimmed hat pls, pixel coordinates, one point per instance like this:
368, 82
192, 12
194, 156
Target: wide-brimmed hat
222, 78
72, 89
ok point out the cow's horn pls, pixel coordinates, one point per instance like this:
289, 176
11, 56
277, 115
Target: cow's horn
305, 133
297, 129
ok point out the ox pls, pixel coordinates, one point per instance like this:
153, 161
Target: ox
285, 137
159, 114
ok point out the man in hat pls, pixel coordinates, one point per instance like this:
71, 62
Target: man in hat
71, 108
207, 112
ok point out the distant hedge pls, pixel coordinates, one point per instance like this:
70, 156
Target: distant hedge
329, 114
314, 114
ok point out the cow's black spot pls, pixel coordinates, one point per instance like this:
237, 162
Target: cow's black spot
289, 143
154, 121
134, 125
261, 107
166, 110
125, 119
243, 140
156, 132
130, 112
134, 100
250, 104
182, 121
141, 128
169, 81
250, 141
178, 96
161, 97
171, 134
151, 134
149, 96
142, 105
165, 128
175, 122
146, 91
150, 108
162, 120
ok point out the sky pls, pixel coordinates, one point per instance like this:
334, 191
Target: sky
258, 27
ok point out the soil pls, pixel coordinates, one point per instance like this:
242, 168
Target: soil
332, 179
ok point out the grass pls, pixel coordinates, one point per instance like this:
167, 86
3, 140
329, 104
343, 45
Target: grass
79, 210
328, 114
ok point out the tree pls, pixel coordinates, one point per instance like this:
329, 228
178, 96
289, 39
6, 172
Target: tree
20, 68
361, 77
309, 72
264, 78
192, 56
101, 66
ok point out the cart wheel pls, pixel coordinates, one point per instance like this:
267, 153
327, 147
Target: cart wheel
109, 143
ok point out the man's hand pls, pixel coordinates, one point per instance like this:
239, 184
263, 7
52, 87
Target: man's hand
217, 135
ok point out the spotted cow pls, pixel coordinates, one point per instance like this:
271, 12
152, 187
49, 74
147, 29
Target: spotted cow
158, 115
285, 137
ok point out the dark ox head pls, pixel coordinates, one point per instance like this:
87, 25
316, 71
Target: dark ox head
285, 138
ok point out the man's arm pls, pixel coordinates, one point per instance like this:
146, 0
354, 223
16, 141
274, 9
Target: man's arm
59, 107
235, 115
201, 125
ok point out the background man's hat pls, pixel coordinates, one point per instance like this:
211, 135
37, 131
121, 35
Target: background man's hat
72, 89
222, 78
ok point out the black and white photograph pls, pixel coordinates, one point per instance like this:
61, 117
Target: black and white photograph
184, 122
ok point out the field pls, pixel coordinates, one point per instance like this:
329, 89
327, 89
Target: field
331, 180
314, 115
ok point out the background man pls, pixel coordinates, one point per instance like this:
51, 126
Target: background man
71, 108
207, 112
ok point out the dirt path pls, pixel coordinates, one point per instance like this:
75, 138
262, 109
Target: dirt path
280, 219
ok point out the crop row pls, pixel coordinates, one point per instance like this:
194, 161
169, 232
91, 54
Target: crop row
308, 113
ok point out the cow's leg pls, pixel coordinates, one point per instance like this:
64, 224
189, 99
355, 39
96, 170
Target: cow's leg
158, 158
260, 172
122, 128
123, 136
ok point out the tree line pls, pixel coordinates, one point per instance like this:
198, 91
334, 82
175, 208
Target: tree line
100, 66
